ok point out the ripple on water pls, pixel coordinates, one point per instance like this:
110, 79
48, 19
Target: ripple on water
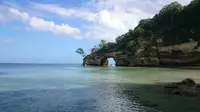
80, 89
105, 97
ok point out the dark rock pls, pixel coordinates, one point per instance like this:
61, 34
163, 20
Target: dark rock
176, 52
149, 104
172, 85
196, 47
188, 82
198, 44
198, 86
150, 57
176, 92
189, 92
121, 59
186, 87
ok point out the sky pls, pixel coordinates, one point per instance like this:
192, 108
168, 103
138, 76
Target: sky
49, 31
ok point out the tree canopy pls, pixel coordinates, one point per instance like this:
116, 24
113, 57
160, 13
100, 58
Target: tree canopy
81, 52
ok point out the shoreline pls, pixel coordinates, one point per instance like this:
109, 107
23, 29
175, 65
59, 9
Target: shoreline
175, 67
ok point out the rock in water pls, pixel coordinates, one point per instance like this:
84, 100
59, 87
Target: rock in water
186, 87
172, 85
188, 82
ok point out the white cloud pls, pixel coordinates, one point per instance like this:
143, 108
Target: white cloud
73, 12
116, 17
183, 2
108, 19
22, 15
42, 25
104, 19
112, 23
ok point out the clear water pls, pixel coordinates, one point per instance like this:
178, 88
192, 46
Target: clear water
73, 88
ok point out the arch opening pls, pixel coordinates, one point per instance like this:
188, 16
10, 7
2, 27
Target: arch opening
108, 61
111, 62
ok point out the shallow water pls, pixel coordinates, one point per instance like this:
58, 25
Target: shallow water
73, 88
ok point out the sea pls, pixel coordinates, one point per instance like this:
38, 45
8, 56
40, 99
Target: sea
75, 88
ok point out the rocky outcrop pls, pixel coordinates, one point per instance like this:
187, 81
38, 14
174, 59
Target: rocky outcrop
180, 58
149, 57
186, 87
121, 59
92, 60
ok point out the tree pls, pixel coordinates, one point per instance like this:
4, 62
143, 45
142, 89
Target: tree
102, 44
138, 32
168, 13
131, 46
81, 52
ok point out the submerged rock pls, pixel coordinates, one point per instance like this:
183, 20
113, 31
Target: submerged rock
198, 44
198, 85
172, 85
186, 87
149, 104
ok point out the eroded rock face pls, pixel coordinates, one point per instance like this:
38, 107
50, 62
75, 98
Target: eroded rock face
180, 58
144, 62
174, 57
91, 60
120, 58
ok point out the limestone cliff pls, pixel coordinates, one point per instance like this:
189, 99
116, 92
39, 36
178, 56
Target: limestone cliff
121, 59
172, 57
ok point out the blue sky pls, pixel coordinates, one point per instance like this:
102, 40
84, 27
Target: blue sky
49, 31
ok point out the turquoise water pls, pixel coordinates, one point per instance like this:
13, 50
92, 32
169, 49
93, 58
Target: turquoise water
73, 88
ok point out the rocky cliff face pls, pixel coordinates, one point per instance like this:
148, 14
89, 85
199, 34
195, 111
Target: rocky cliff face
180, 58
147, 58
120, 58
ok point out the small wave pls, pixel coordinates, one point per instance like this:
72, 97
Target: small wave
44, 88
68, 87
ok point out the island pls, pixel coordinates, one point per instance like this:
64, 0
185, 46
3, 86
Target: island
170, 38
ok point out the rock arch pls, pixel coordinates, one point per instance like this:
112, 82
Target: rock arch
100, 59
120, 58
104, 60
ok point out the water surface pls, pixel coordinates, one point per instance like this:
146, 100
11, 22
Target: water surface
73, 88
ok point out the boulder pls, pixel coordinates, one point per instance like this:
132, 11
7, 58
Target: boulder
188, 82
186, 87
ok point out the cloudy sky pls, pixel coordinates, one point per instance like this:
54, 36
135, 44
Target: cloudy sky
49, 31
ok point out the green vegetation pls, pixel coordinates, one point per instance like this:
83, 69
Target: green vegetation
173, 25
81, 52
